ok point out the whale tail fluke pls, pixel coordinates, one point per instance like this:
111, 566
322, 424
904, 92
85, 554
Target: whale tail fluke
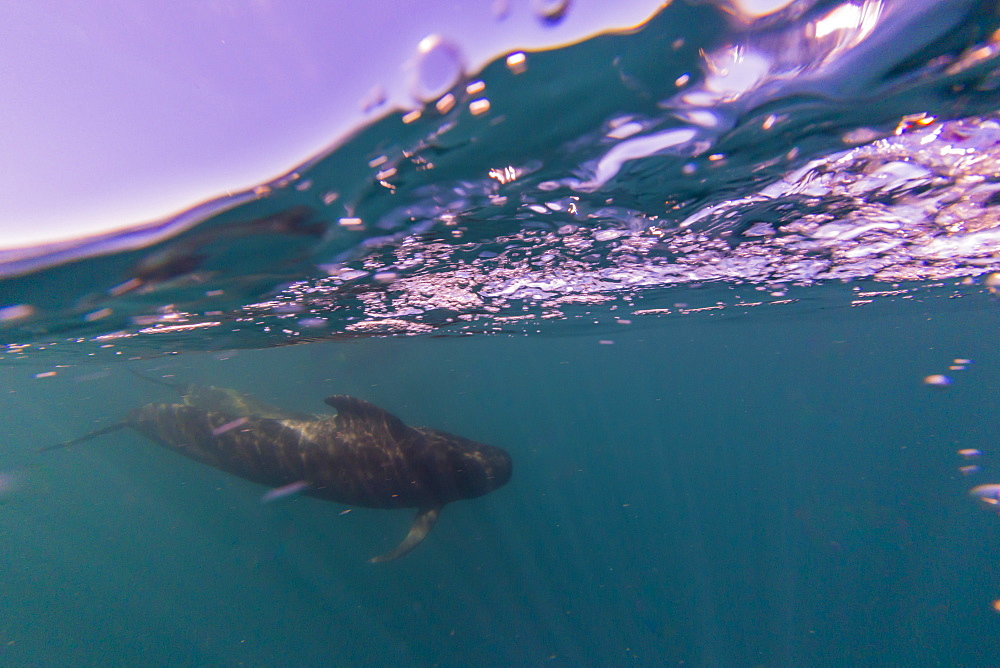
86, 437
422, 523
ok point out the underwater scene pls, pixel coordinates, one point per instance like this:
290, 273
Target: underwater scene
669, 346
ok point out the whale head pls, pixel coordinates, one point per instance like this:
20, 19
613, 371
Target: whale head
465, 469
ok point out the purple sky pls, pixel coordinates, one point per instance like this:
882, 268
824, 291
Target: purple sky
116, 113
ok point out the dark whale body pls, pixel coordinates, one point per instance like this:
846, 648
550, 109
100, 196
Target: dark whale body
361, 456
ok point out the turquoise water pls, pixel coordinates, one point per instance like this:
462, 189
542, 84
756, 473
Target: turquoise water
697, 311
747, 491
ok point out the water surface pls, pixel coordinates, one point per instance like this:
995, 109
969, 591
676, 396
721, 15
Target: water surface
692, 277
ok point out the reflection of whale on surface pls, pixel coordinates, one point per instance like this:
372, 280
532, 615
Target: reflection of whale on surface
362, 456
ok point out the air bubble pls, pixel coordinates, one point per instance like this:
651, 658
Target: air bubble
438, 67
481, 106
445, 104
550, 11
517, 62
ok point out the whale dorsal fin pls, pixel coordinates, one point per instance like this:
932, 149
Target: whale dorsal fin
422, 523
352, 410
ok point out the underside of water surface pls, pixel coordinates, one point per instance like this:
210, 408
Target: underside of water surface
704, 161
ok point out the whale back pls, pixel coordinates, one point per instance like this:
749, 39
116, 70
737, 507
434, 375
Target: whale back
363, 456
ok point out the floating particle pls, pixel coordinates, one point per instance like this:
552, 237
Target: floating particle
550, 12
517, 63
606, 342
445, 104
127, 286
10, 482
347, 274
284, 490
46, 374
16, 312
98, 314
312, 323
987, 493
992, 282
344, 512
351, 222
480, 106
968, 470
97, 375
969, 453
438, 66
996, 605
937, 380
229, 426
623, 321
859, 136
624, 131
961, 360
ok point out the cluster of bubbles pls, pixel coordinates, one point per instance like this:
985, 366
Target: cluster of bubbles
987, 494
940, 380
439, 63
665, 157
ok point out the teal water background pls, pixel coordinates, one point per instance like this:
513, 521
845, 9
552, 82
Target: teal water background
760, 477
740, 490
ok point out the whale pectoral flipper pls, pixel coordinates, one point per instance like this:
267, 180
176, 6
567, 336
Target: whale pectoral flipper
422, 523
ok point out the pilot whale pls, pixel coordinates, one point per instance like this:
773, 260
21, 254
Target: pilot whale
362, 456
